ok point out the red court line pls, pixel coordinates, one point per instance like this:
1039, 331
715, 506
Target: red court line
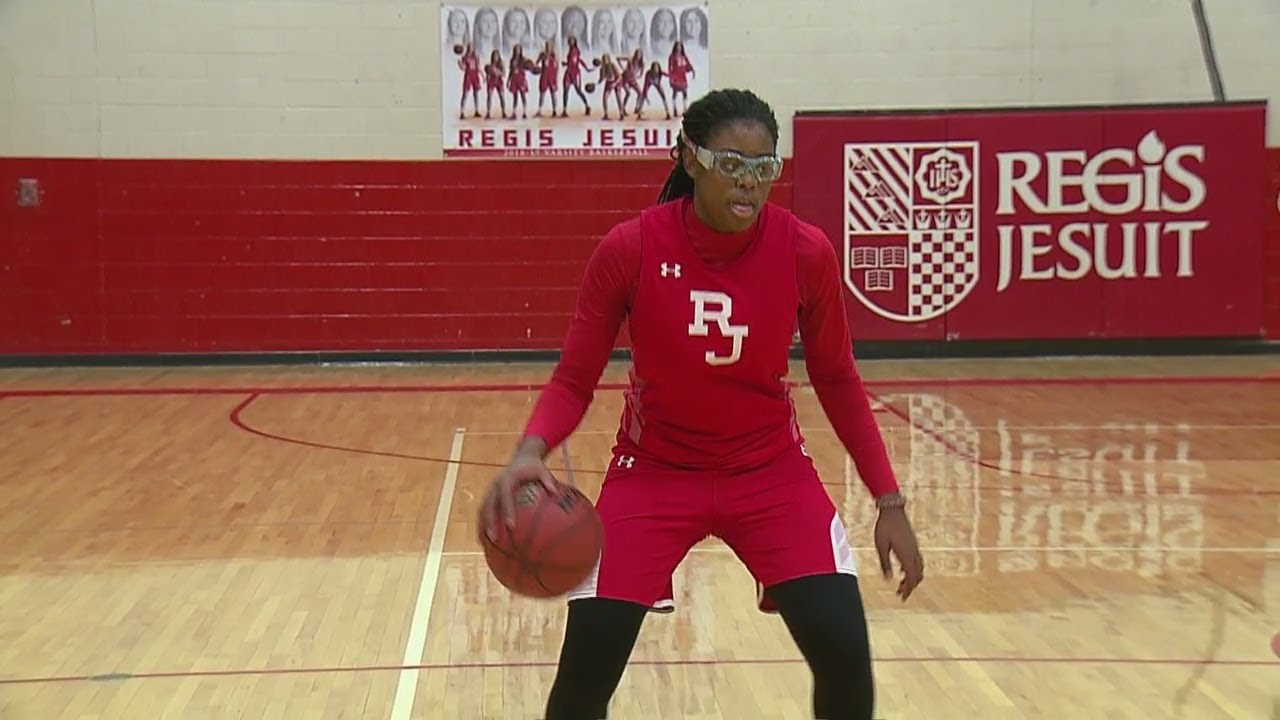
1081, 380
289, 390
237, 420
531, 387
118, 676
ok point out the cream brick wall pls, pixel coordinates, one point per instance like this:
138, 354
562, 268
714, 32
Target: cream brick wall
1246, 39
359, 78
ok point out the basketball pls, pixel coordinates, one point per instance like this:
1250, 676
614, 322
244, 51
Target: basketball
590, 87
457, 49
551, 547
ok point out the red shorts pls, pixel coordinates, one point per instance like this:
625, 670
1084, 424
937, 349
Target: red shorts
779, 521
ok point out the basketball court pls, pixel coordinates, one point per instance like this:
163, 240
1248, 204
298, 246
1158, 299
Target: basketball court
1102, 539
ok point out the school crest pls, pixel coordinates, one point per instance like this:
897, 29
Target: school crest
911, 226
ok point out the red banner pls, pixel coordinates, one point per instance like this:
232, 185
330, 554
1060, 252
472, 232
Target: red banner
1032, 224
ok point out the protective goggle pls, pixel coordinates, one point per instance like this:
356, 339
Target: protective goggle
735, 165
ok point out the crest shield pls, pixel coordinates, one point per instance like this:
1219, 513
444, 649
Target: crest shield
911, 226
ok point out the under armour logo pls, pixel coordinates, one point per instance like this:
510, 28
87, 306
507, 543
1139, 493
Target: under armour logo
720, 314
626, 461
671, 270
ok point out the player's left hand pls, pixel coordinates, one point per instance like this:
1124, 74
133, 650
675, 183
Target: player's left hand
894, 533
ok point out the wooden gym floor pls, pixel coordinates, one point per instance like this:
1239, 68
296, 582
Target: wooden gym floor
1102, 539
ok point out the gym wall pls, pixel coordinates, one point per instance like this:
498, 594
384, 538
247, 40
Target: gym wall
259, 176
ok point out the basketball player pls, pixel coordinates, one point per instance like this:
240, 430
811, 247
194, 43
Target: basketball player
573, 67
548, 64
678, 71
610, 85
518, 82
713, 282
653, 81
470, 64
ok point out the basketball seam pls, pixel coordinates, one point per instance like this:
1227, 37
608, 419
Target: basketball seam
498, 548
537, 568
556, 541
519, 551
595, 530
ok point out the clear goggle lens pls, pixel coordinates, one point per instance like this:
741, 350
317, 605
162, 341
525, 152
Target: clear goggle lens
736, 166
733, 165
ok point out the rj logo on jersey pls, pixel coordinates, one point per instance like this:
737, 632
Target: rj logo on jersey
911, 226
716, 307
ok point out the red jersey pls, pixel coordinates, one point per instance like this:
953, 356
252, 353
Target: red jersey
711, 346
470, 67
550, 68
678, 67
573, 66
711, 318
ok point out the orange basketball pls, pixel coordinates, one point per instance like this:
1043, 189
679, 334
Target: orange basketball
457, 49
590, 87
551, 547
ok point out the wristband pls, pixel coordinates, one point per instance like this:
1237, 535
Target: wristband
891, 500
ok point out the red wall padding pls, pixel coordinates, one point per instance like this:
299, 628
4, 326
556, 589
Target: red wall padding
208, 256
211, 256
1271, 303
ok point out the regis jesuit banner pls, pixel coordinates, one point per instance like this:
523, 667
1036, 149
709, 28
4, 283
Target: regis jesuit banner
565, 81
1031, 224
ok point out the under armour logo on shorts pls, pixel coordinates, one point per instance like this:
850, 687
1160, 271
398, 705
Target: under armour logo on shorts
626, 461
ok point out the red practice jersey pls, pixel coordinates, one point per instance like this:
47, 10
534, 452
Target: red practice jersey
711, 318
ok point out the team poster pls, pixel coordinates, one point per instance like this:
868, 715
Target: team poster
566, 81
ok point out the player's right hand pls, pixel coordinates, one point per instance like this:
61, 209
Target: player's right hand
499, 502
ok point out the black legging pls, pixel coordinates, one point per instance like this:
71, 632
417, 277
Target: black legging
823, 613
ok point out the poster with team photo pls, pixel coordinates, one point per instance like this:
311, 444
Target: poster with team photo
572, 80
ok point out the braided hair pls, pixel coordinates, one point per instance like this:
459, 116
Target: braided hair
701, 119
